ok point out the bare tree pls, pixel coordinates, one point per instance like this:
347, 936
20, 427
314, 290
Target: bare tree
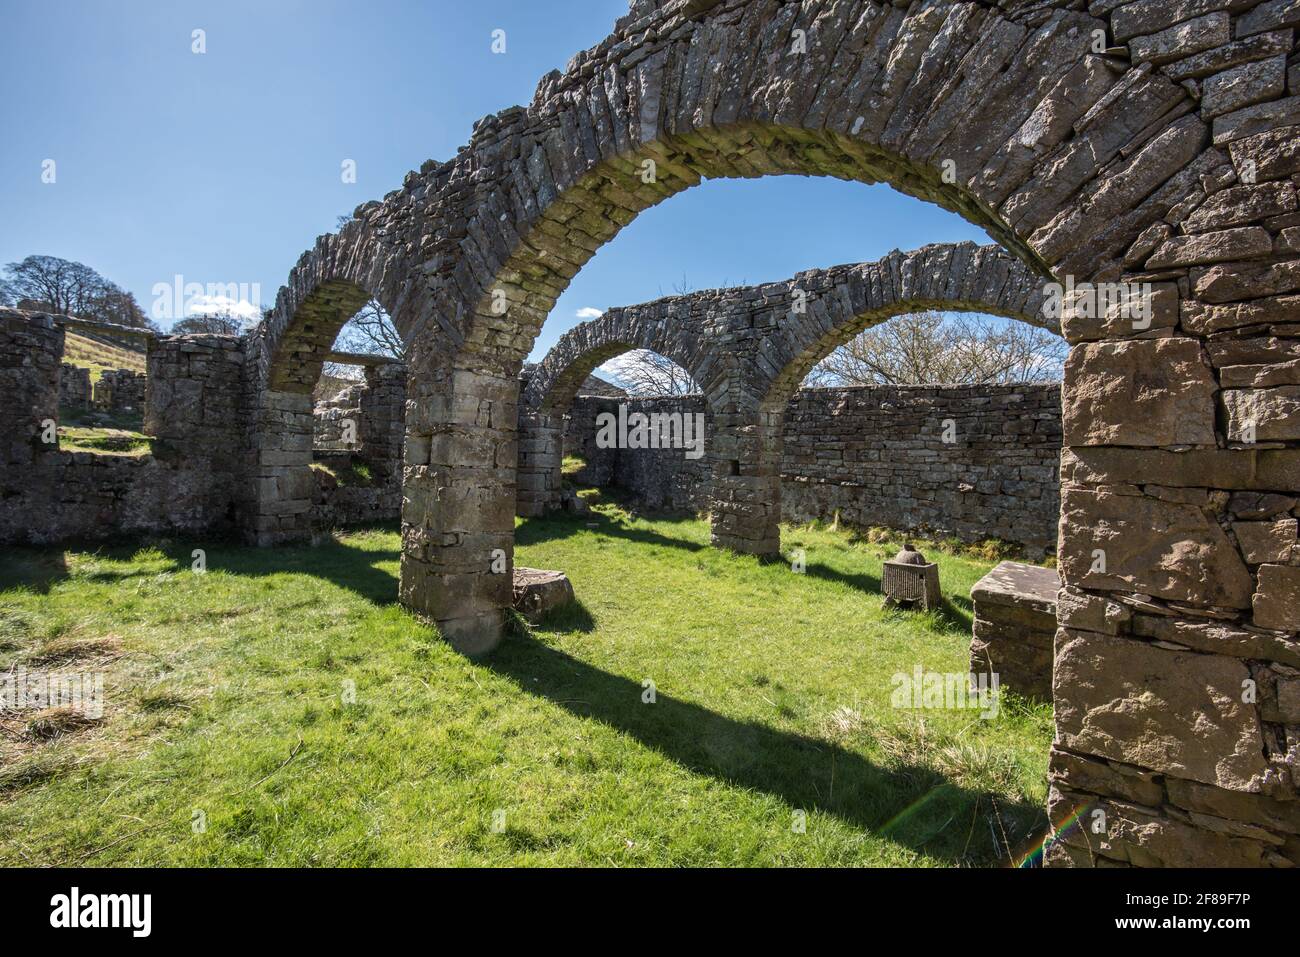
220, 323
930, 347
371, 332
70, 288
643, 372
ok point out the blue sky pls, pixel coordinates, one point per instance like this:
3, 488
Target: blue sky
224, 166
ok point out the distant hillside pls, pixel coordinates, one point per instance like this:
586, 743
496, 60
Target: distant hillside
97, 353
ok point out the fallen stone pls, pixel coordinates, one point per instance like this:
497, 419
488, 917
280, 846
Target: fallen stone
537, 591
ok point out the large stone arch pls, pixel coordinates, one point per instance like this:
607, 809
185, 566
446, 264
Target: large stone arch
794, 327
286, 352
1097, 148
749, 348
1009, 119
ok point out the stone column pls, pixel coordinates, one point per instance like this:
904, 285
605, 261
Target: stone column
31, 348
745, 497
458, 502
281, 482
381, 420
541, 463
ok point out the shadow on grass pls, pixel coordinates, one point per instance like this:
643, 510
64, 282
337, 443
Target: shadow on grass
535, 531
345, 565
567, 618
913, 806
32, 567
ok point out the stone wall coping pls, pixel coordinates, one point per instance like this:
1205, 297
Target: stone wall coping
1021, 585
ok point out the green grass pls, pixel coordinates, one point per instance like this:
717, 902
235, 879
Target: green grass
100, 356
227, 703
105, 441
355, 473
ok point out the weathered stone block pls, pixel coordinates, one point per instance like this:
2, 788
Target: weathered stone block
1177, 713
1276, 602
1141, 392
1140, 544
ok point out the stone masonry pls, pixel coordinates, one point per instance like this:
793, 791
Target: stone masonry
1097, 142
1014, 627
120, 390
749, 349
873, 455
74, 386
191, 480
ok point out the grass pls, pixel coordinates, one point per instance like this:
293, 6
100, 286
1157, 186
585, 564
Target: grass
355, 473
282, 709
105, 441
99, 356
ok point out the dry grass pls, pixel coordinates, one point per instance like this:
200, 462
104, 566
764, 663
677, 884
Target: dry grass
70, 648
50, 723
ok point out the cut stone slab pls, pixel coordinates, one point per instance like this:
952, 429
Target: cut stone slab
1015, 623
1141, 544
1277, 598
1148, 392
537, 591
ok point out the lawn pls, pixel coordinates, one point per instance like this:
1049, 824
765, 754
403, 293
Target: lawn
282, 709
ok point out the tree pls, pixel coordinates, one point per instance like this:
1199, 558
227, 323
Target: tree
371, 332
69, 288
643, 372
219, 323
930, 347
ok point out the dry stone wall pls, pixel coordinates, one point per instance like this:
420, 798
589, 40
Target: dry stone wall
120, 390
749, 348
191, 480
74, 386
873, 455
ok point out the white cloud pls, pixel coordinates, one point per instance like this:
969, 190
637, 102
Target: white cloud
241, 309
589, 312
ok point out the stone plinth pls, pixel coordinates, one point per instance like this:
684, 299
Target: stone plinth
1015, 624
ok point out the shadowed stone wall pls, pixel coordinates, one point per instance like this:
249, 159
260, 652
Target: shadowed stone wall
190, 482
875, 456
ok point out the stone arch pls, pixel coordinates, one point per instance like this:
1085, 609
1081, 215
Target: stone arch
551, 387
1079, 143
285, 355
838, 304
750, 348
1033, 121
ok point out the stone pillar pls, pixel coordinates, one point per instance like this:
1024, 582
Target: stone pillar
381, 419
1176, 673
745, 496
458, 502
282, 486
541, 463
31, 347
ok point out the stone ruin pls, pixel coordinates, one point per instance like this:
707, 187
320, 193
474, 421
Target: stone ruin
1102, 144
